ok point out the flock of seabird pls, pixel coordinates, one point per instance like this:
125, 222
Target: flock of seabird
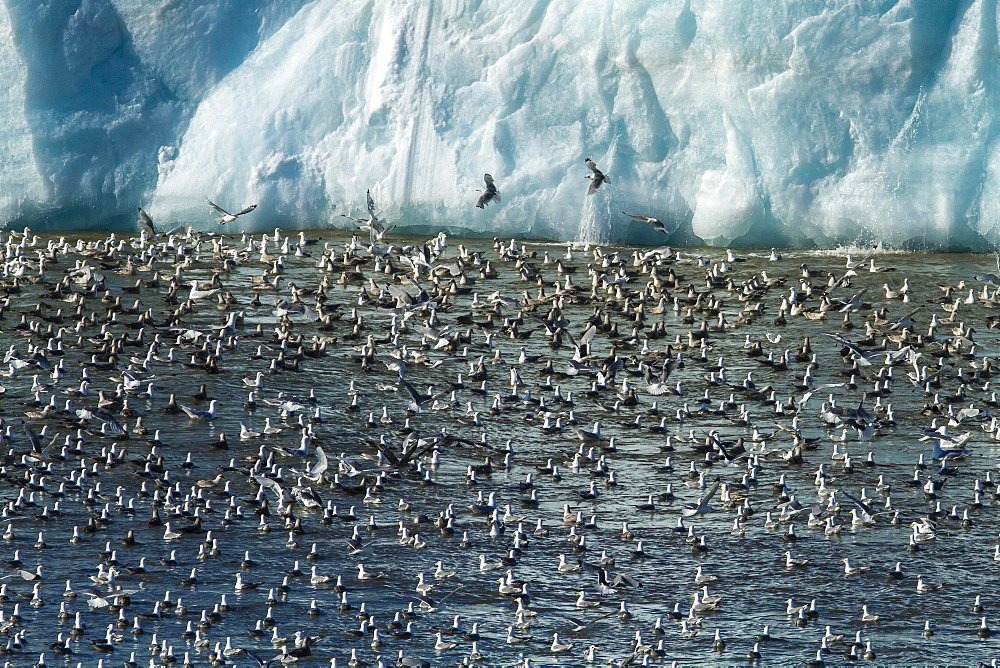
239, 450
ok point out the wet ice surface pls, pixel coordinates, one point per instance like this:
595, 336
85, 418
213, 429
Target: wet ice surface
753, 579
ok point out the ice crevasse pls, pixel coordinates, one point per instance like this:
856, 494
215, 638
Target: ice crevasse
793, 122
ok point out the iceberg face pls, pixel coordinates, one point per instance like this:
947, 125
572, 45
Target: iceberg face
729, 201
810, 122
101, 86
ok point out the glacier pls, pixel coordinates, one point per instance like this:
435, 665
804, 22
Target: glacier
784, 123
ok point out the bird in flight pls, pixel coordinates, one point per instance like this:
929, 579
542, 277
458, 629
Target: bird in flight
229, 217
597, 177
374, 225
489, 193
655, 223
692, 509
146, 224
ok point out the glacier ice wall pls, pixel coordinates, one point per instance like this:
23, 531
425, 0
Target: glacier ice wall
97, 87
792, 122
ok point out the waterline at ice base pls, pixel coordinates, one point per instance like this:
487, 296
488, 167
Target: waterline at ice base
793, 123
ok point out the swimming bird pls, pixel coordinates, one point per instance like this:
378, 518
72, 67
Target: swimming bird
196, 414
197, 292
791, 562
868, 617
924, 587
557, 646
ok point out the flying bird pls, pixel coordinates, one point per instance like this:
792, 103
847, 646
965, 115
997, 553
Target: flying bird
489, 193
373, 224
146, 223
230, 217
655, 223
692, 509
597, 177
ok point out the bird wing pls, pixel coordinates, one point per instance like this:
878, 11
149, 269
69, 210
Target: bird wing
191, 412
321, 465
578, 624
718, 443
94, 413
401, 294
897, 355
450, 594
146, 223
966, 413
627, 579
371, 202
269, 484
415, 396
844, 342
859, 503
20, 572
453, 267
840, 281
488, 179
992, 279
908, 317
261, 662
863, 261
51, 447
582, 625
588, 335
591, 165
389, 454
114, 426
615, 367
709, 494
218, 208
97, 602
628, 661
246, 210
309, 315
36, 443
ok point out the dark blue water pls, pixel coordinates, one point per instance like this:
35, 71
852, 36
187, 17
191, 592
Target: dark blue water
753, 583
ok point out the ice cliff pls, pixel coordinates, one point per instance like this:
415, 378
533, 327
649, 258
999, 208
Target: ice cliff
791, 122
